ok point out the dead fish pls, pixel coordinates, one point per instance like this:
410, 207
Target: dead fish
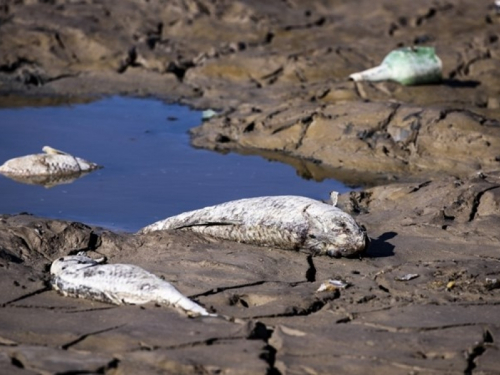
83, 277
408, 66
287, 222
52, 162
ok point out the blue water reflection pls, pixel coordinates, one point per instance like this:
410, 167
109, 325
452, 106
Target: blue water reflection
150, 170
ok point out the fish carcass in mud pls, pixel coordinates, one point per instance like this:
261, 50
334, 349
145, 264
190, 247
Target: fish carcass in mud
287, 222
83, 277
51, 163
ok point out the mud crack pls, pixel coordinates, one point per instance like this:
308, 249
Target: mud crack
380, 130
482, 120
224, 288
477, 201
179, 69
311, 271
420, 186
73, 311
306, 122
405, 329
273, 77
476, 351
207, 342
83, 337
20, 363
34, 293
317, 23
264, 333
315, 305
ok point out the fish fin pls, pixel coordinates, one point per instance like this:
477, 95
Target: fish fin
209, 224
53, 151
334, 196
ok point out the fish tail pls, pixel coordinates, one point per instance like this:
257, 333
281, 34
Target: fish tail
175, 298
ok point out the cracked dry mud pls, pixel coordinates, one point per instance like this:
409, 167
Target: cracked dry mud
277, 71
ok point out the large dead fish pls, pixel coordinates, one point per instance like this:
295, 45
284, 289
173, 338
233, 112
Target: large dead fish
83, 277
51, 162
288, 222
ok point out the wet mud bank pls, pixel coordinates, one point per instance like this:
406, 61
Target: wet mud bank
426, 296
428, 288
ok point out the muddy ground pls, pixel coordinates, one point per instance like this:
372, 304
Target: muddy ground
277, 72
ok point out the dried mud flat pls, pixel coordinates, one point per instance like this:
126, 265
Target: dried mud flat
277, 71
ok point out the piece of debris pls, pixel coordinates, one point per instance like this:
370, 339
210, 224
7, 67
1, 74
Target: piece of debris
407, 277
450, 285
332, 285
491, 283
83, 277
292, 332
208, 114
408, 66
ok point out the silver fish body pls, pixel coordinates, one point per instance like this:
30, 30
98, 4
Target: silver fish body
82, 277
287, 222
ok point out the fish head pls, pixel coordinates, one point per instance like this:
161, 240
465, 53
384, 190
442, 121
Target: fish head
337, 234
352, 244
73, 262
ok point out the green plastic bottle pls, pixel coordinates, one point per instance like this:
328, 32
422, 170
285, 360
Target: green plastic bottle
408, 66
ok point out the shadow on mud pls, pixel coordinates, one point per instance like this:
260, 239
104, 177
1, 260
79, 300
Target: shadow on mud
379, 247
460, 84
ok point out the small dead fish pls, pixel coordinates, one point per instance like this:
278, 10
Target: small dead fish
287, 222
52, 162
83, 277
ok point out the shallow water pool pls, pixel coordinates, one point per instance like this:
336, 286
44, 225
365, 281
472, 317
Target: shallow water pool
150, 170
